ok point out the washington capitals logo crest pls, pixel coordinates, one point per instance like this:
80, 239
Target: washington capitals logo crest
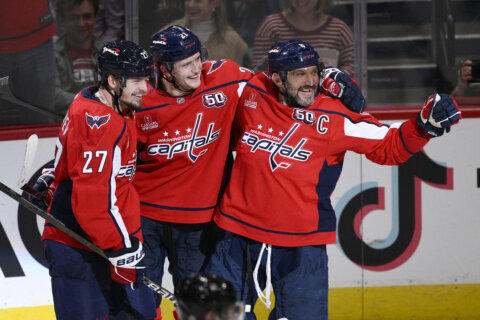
96, 121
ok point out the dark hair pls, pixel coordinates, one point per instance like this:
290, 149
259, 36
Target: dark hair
123, 59
62, 5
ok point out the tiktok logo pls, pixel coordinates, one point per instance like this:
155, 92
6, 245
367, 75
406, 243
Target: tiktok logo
407, 217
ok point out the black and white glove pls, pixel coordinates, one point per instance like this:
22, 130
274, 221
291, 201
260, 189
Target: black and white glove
45, 179
44, 187
438, 114
127, 265
338, 84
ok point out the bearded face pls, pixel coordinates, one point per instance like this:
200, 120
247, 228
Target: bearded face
301, 86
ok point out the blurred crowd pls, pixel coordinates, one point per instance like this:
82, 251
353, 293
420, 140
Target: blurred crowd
49, 53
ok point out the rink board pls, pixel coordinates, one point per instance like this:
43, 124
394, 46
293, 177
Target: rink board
414, 302
417, 225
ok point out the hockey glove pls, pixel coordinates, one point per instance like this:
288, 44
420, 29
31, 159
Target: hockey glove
127, 265
438, 114
44, 187
337, 84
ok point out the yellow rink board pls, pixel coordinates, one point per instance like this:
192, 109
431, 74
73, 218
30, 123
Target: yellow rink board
404, 302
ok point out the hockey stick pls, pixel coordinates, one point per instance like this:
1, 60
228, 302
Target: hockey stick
164, 293
30, 150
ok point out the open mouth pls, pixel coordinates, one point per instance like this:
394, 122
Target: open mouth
302, 3
194, 78
194, 12
306, 92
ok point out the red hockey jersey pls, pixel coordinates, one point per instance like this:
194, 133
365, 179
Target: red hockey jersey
183, 145
289, 160
94, 167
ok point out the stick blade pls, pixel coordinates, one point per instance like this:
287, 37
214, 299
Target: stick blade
30, 150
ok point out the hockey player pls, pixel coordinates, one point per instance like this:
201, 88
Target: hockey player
203, 296
290, 142
94, 166
184, 135
183, 145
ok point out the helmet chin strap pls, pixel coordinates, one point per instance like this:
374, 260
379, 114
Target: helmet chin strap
116, 97
174, 83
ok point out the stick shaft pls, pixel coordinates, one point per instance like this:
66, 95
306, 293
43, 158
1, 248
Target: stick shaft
60, 225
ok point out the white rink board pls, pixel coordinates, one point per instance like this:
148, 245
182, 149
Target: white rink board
447, 251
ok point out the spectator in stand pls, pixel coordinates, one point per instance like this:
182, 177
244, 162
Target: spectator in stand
468, 83
246, 15
26, 54
110, 24
306, 20
207, 19
76, 51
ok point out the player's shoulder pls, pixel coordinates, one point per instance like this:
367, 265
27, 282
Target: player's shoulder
334, 106
154, 98
87, 111
261, 81
329, 104
224, 70
215, 64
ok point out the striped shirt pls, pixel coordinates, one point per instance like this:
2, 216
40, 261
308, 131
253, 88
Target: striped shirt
333, 40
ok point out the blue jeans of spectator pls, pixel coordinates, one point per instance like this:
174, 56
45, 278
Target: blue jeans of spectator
299, 276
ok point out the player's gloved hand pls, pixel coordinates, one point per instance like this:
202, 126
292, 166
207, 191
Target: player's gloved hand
338, 84
438, 114
45, 179
127, 265
44, 187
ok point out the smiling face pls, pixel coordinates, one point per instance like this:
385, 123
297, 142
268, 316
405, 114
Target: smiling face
79, 21
200, 10
304, 6
186, 73
301, 85
132, 93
